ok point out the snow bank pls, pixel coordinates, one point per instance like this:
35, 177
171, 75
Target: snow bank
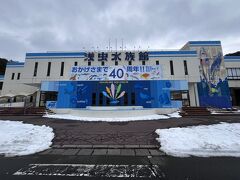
22, 139
113, 119
213, 140
175, 115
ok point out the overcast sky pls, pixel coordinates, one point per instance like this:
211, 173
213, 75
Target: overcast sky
71, 25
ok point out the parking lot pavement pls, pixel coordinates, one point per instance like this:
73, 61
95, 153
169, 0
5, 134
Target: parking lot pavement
54, 166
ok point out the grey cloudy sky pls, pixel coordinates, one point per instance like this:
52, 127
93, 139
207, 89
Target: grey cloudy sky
70, 25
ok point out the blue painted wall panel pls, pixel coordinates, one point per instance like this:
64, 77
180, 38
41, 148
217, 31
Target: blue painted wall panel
149, 94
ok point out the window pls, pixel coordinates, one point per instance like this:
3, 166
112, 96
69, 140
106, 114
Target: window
116, 63
49, 69
89, 63
143, 62
157, 62
179, 95
129, 63
102, 63
18, 76
35, 69
75, 63
101, 99
31, 99
1, 85
171, 67
93, 99
62, 68
185, 67
133, 98
13, 74
233, 73
126, 99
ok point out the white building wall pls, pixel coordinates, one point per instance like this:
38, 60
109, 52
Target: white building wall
29, 83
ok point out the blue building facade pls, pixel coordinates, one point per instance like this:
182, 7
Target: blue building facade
148, 94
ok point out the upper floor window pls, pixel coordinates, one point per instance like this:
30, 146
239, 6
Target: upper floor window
18, 76
62, 69
171, 68
49, 68
35, 69
13, 74
185, 67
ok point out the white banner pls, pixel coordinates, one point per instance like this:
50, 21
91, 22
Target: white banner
115, 73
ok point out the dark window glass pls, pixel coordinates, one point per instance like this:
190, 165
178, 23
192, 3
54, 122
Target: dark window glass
62, 68
185, 67
13, 74
75, 63
18, 76
171, 68
129, 63
101, 99
14, 99
35, 69
116, 63
102, 63
49, 69
133, 98
108, 101
89, 63
157, 62
233, 73
93, 99
1, 84
143, 62
31, 99
126, 99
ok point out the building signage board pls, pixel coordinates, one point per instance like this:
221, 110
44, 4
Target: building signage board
105, 73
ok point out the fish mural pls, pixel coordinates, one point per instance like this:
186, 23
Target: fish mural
114, 93
213, 88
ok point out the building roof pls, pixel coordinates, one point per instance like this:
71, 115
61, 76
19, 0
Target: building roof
232, 58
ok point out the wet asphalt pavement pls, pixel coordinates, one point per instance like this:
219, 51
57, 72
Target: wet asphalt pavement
162, 167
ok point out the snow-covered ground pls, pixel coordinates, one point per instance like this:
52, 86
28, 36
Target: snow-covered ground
18, 139
204, 141
112, 119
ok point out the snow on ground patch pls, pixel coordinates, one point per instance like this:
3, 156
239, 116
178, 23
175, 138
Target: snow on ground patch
175, 115
204, 141
113, 119
22, 139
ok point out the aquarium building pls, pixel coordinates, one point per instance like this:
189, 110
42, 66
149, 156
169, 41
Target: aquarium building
195, 75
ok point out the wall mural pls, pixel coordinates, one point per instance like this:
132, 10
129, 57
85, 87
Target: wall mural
114, 93
149, 94
213, 89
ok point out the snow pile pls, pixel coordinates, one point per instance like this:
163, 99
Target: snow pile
175, 115
22, 139
112, 119
213, 140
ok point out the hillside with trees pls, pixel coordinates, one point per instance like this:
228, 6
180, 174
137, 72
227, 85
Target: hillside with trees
233, 54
